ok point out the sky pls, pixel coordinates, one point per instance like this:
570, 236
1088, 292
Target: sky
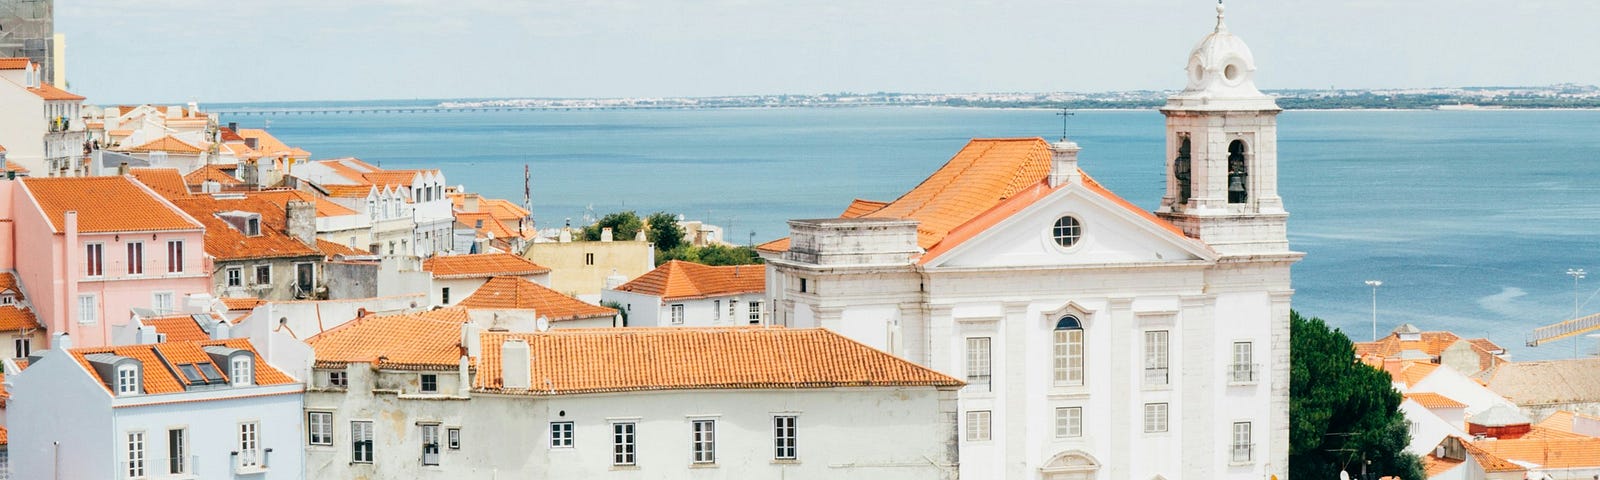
283, 50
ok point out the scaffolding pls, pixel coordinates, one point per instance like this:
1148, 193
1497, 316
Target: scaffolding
27, 29
1567, 329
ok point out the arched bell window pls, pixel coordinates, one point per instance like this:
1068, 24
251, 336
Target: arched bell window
1180, 170
1068, 352
1238, 173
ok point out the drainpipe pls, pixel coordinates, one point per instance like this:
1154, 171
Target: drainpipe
69, 274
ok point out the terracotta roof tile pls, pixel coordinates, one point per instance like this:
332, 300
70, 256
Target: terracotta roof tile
1409, 373
50, 92
1435, 466
481, 265
14, 166
430, 340
165, 181
330, 249
105, 204
1548, 382
159, 377
860, 207
14, 318
14, 63
776, 246
228, 135
166, 144
1434, 400
179, 328
347, 191
1562, 453
520, 293
1433, 344
8, 283
269, 145
325, 208
676, 358
499, 208
486, 225
1489, 461
676, 280
225, 243
212, 172
242, 303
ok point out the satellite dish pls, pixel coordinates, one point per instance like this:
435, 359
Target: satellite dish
543, 324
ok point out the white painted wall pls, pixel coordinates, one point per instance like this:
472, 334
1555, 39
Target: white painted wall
1429, 428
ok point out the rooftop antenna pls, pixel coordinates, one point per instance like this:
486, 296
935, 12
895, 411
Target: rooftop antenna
527, 199
1064, 113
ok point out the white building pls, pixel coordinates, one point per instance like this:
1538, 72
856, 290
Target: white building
446, 401
680, 293
457, 276
418, 195
39, 123
209, 409
1098, 340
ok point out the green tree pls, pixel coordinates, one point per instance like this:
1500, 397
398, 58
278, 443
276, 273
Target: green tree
1342, 411
624, 225
664, 231
711, 255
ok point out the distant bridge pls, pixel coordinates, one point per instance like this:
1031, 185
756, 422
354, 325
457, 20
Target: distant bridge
406, 110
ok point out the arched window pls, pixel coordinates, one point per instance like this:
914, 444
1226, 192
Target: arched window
1180, 170
1068, 338
1238, 172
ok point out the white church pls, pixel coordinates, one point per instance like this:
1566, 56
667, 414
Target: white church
1098, 340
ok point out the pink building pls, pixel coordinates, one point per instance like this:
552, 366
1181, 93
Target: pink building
88, 250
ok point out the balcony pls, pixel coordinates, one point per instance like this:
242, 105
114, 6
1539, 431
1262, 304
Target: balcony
60, 124
1243, 454
164, 468
250, 462
1156, 376
1243, 373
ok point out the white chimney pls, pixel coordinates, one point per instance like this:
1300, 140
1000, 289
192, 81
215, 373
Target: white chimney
1064, 163
514, 364
605, 234
61, 341
219, 330
469, 339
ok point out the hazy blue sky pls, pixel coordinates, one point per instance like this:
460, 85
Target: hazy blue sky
178, 50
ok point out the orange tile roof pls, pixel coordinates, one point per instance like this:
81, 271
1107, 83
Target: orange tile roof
8, 283
1435, 466
179, 328
678, 280
776, 246
13, 318
520, 293
120, 133
269, 145
228, 135
105, 204
242, 151
50, 93
426, 341
859, 207
325, 208
330, 249
481, 265
347, 191
1409, 373
159, 377
14, 166
1489, 461
676, 358
498, 208
14, 63
489, 225
1431, 343
1562, 420
166, 144
242, 303
1434, 400
1541, 433
165, 181
1553, 453
225, 243
212, 172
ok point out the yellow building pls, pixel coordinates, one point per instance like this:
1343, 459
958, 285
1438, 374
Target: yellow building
581, 269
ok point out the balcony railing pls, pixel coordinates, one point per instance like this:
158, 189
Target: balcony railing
159, 468
1243, 373
1243, 453
250, 461
1156, 376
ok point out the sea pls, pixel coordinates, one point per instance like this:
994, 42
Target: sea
1471, 219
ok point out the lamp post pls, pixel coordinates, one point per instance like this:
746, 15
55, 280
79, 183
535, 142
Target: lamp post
1576, 274
1374, 284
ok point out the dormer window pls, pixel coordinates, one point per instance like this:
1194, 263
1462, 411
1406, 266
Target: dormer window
8, 299
252, 227
248, 223
127, 380
239, 370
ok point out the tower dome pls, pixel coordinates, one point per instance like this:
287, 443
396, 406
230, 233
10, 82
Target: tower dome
1221, 73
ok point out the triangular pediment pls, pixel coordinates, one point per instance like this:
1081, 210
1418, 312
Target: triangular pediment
1110, 232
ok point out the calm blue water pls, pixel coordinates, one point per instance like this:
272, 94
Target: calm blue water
1469, 218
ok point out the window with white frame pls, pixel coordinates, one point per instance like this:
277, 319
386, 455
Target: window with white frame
453, 437
978, 364
338, 380
733, 310
1244, 369
361, 442
623, 446
88, 309
978, 425
785, 437
135, 258
263, 274
677, 314
1068, 352
1155, 357
1155, 417
755, 312
1242, 448
94, 261
716, 309
135, 461
249, 445
239, 370
235, 277
430, 444
175, 256
161, 302
24, 347
127, 380
319, 428
177, 451
1069, 422
705, 441
561, 434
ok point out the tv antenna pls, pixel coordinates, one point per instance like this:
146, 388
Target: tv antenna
1064, 113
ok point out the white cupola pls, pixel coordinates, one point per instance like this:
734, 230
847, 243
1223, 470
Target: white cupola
1221, 74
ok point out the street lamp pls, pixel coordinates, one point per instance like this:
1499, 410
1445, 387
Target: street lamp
1374, 284
1576, 274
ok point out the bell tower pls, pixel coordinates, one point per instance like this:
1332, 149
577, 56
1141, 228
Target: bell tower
1222, 152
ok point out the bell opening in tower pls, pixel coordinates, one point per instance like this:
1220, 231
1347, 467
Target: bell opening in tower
1180, 169
1238, 172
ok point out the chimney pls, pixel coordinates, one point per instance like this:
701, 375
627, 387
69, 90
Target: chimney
566, 236
61, 341
469, 203
639, 237
250, 173
252, 142
514, 364
605, 234
174, 111
302, 219
470, 340
122, 168
219, 331
1064, 163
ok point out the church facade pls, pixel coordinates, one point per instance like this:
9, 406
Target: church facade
1097, 340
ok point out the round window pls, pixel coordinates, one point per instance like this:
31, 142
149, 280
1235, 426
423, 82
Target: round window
1232, 72
1067, 231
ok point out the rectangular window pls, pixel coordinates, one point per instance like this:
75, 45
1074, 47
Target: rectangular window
319, 425
677, 314
361, 442
733, 310
1242, 448
135, 258
338, 379
755, 313
161, 302
802, 285
175, 256
444, 295
235, 277
705, 441
784, 437
978, 363
1069, 422
561, 434
978, 425
622, 444
249, 445
94, 261
1155, 417
127, 380
239, 371
430, 383
177, 451
24, 347
1069, 357
135, 455
1244, 368
263, 274
588, 259
1155, 357
430, 444
453, 436
87, 309
716, 309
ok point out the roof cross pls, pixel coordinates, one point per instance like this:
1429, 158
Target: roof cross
1064, 113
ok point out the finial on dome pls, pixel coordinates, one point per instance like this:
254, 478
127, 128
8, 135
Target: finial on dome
1220, 9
